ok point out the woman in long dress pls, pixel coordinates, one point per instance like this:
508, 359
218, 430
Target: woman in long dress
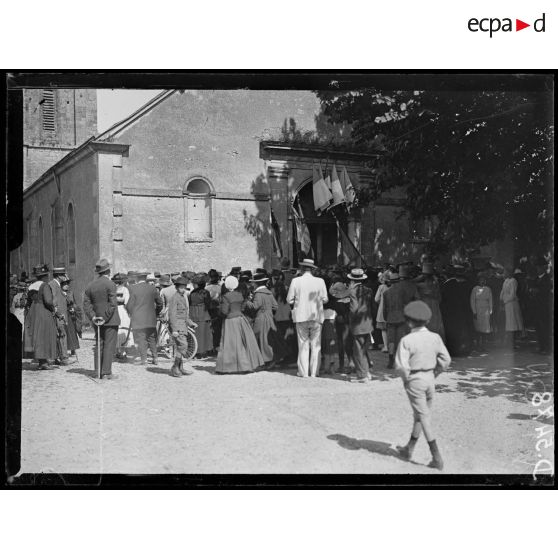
125, 338
481, 306
429, 292
72, 315
263, 303
379, 299
514, 319
200, 306
41, 330
239, 350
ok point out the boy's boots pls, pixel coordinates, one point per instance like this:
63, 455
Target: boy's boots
406, 452
175, 370
437, 462
391, 361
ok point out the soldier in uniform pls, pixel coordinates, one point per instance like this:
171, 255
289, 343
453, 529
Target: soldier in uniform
60, 313
99, 300
402, 291
179, 321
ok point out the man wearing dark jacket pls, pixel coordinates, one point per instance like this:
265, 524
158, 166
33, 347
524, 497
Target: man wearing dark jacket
144, 305
402, 291
100, 301
360, 322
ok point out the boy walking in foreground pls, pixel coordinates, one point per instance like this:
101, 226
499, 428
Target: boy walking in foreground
421, 356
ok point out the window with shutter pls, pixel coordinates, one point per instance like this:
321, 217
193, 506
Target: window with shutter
49, 122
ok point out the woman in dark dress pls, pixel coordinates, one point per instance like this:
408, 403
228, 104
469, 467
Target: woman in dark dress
200, 306
41, 328
263, 303
456, 313
73, 316
239, 350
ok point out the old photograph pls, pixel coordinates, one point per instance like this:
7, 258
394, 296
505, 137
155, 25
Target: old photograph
304, 275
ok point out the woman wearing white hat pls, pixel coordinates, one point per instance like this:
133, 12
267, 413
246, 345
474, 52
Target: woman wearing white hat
239, 351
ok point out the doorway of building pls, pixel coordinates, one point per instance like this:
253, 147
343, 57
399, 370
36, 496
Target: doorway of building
322, 228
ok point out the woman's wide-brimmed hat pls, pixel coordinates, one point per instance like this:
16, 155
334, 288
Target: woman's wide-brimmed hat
199, 278
357, 274
40, 270
259, 278
231, 283
102, 265
307, 262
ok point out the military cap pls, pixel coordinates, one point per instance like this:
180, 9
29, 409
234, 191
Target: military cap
417, 311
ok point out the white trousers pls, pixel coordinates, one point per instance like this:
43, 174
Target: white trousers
309, 336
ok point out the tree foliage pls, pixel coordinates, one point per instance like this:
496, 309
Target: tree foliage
476, 163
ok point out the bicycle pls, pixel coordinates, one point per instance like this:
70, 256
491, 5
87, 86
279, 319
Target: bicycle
165, 344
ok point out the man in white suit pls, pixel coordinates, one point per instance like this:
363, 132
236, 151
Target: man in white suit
307, 296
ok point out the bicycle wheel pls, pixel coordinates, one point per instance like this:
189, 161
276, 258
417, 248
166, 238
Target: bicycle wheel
192, 345
164, 343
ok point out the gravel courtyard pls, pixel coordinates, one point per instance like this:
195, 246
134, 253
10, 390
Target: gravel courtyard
275, 422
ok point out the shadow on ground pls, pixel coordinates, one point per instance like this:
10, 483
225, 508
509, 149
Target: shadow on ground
83, 372
517, 383
381, 448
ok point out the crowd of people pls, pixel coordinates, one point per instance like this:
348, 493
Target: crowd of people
251, 321
325, 320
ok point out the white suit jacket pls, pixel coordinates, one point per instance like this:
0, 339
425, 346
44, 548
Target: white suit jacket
308, 294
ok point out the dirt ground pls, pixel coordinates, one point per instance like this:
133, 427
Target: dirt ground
276, 422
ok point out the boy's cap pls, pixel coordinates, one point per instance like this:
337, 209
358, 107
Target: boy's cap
417, 311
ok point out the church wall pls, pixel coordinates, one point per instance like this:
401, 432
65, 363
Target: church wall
78, 185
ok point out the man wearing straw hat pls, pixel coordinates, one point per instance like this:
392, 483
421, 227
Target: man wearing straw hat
360, 322
307, 296
99, 300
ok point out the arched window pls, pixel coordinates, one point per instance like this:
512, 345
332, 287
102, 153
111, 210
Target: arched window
71, 231
198, 195
41, 243
53, 237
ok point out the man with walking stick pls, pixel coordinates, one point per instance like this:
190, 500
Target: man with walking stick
100, 306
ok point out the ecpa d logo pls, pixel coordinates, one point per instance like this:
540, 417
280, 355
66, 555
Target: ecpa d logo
494, 24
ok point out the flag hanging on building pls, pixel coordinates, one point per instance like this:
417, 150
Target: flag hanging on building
276, 235
302, 233
322, 194
351, 254
350, 192
336, 189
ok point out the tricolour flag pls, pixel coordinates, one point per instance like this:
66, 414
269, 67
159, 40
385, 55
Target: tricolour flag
350, 192
302, 233
336, 189
276, 235
322, 194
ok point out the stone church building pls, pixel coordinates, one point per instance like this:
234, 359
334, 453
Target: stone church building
189, 181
